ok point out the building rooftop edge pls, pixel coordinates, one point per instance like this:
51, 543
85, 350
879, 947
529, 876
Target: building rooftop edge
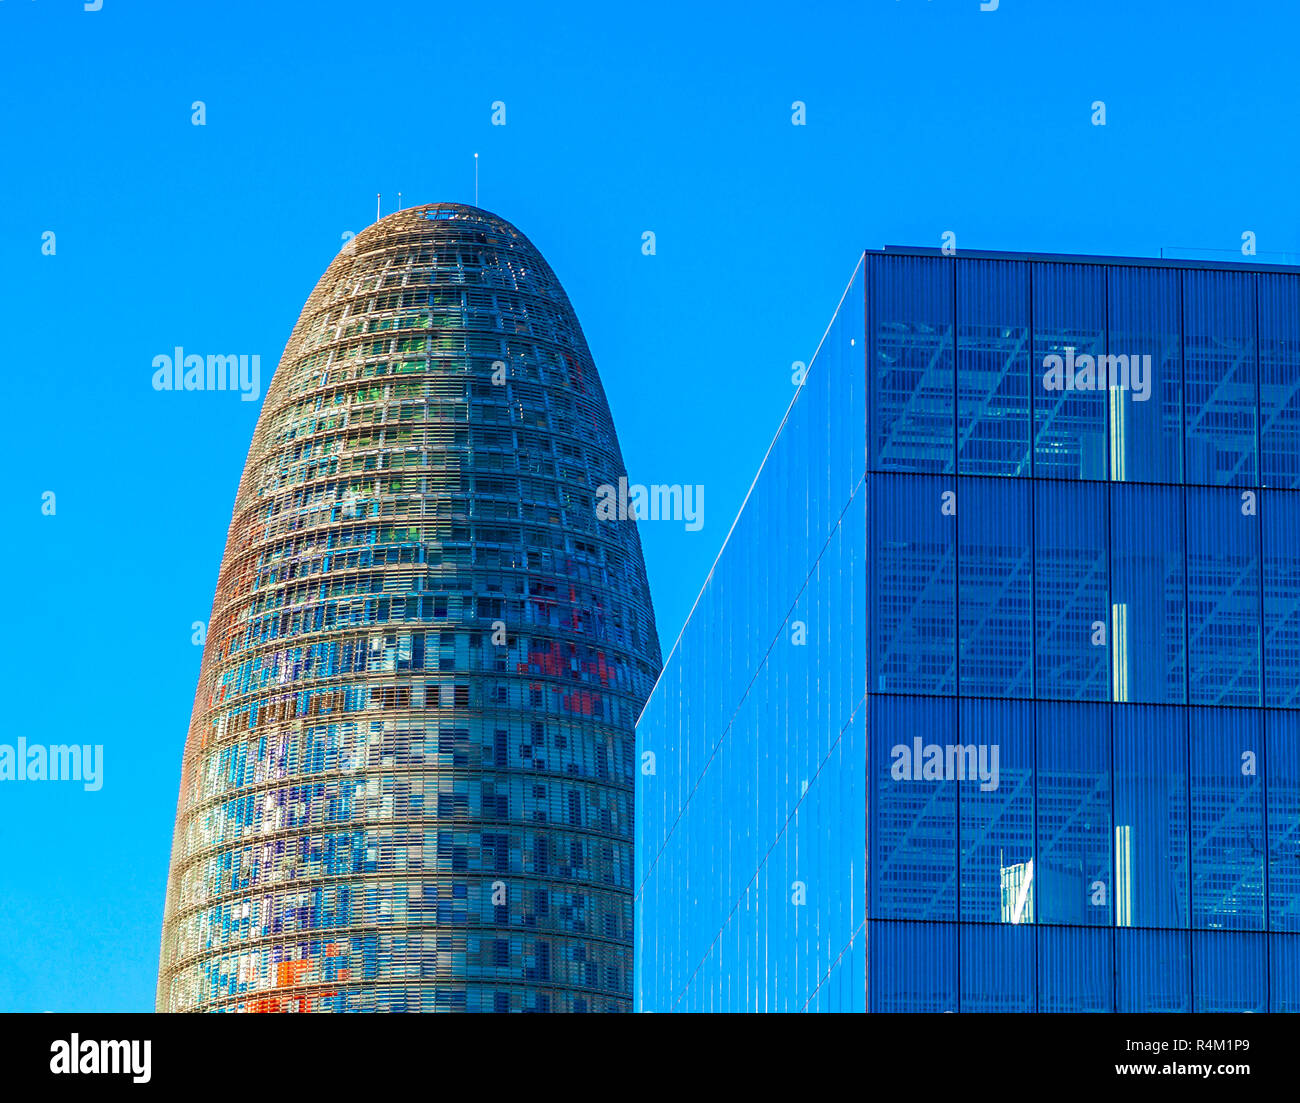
1085, 258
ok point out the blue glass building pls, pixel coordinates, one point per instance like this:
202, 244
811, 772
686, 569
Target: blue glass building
990, 700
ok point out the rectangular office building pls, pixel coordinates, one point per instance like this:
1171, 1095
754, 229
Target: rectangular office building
991, 701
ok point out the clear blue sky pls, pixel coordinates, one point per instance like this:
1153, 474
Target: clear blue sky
922, 117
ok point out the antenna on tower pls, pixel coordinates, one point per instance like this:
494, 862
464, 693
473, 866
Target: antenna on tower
476, 179
378, 197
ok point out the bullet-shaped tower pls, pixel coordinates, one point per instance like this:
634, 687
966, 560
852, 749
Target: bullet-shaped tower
408, 779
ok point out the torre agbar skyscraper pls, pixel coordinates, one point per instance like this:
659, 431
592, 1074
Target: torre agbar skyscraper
408, 779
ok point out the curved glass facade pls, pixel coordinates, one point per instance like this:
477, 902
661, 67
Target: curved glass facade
408, 779
1009, 722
